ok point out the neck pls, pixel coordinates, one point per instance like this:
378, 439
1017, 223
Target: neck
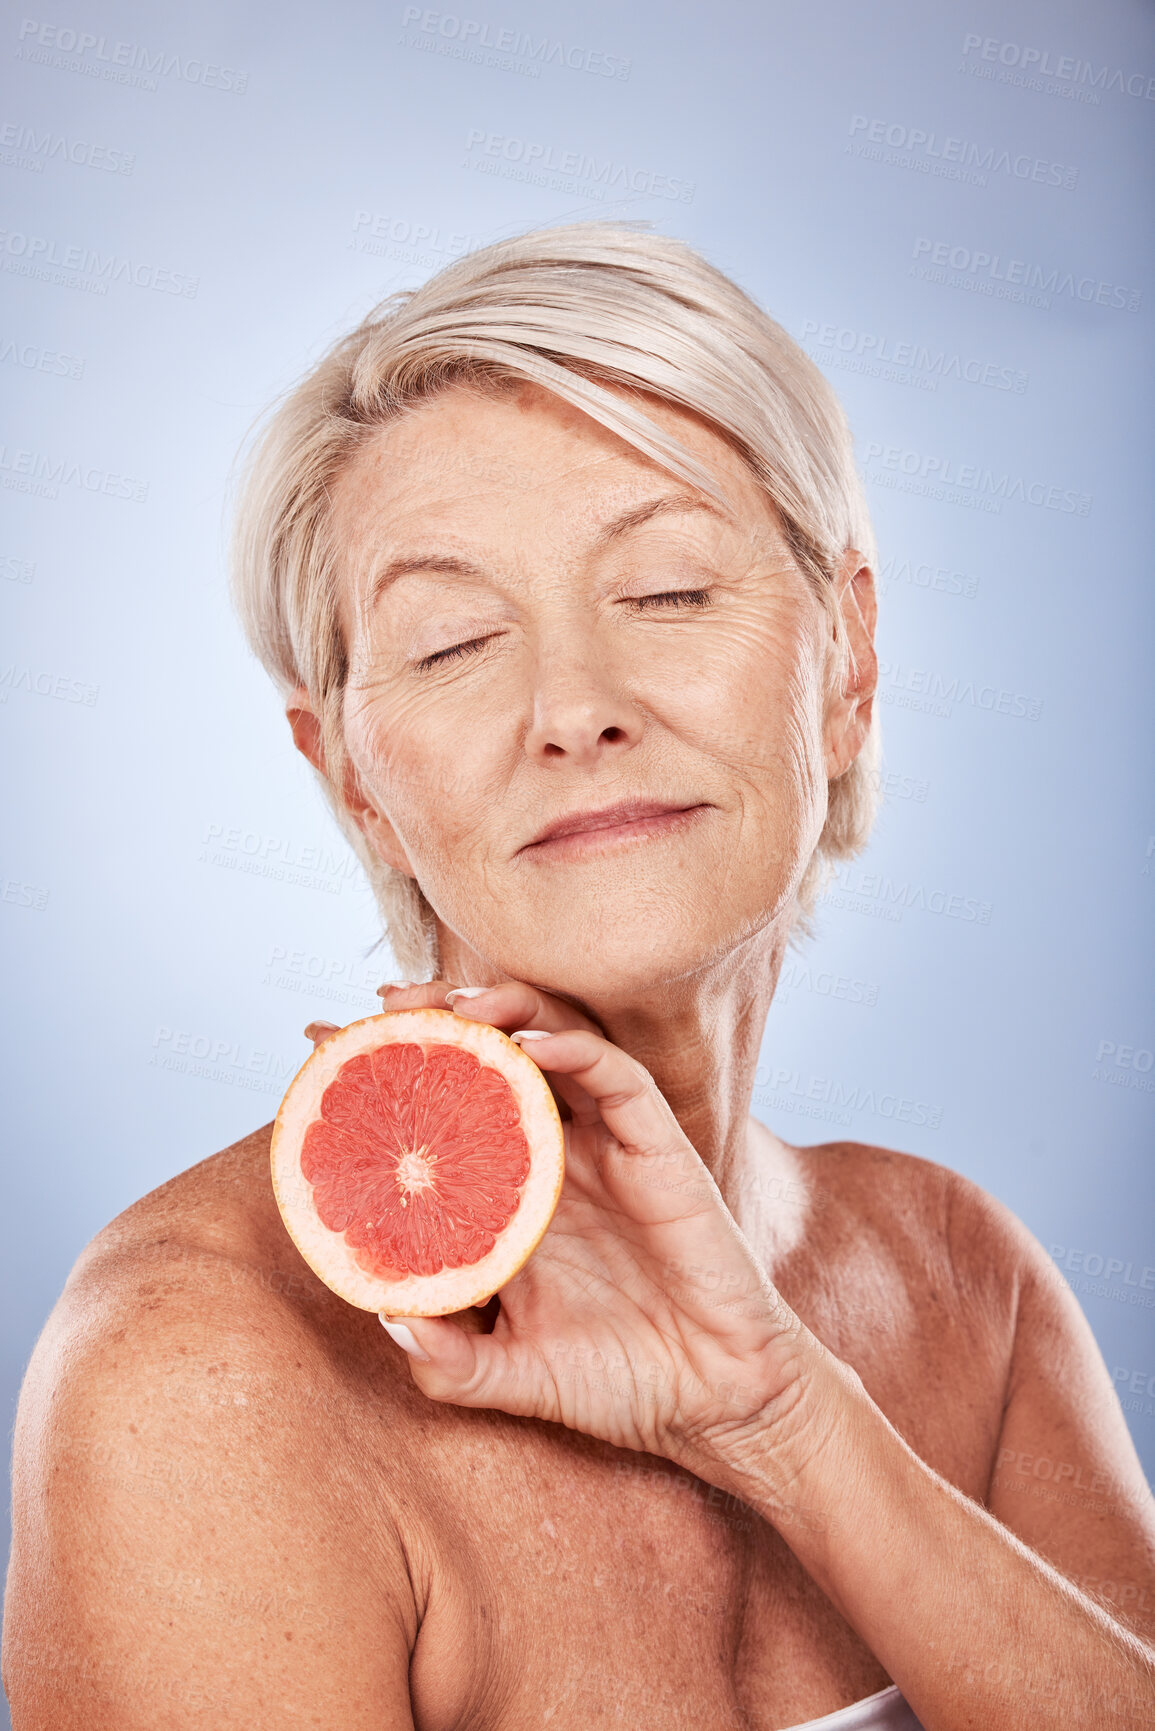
700, 1038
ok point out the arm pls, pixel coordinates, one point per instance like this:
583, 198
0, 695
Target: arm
178, 1557
988, 1618
978, 1629
644, 1269
1066, 1476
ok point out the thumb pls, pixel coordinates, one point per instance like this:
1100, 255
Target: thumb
320, 1031
448, 1362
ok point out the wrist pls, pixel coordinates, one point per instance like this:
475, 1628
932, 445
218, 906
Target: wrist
788, 1458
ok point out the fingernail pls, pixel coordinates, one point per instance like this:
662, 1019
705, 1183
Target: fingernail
395, 986
532, 1034
467, 992
404, 1337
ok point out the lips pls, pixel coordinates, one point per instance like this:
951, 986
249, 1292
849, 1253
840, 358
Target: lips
628, 811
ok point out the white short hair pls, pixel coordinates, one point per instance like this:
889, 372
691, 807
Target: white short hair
594, 312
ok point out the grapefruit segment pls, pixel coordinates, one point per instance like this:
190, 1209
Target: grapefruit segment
417, 1159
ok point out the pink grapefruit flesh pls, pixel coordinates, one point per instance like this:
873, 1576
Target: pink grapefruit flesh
417, 1160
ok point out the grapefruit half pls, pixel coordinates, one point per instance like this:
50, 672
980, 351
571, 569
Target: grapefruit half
417, 1160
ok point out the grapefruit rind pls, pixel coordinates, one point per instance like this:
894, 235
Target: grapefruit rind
326, 1252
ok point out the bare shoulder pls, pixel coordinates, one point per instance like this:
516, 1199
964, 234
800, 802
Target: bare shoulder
223, 1205
1064, 1473
181, 1485
912, 1274
924, 1216
969, 1338
198, 1271
195, 1302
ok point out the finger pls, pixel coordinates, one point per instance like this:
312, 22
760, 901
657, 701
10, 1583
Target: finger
647, 1147
449, 1364
318, 1032
508, 1009
516, 1004
414, 994
651, 1171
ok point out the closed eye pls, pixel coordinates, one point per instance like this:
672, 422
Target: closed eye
667, 597
451, 654
679, 597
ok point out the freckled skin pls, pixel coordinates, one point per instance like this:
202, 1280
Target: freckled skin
576, 697
233, 1504
579, 693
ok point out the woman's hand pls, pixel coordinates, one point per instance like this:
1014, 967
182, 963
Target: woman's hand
643, 1316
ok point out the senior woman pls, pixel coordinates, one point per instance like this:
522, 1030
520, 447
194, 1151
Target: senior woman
563, 569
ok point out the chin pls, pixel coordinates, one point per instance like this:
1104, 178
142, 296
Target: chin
601, 955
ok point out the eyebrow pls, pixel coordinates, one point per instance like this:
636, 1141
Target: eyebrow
667, 505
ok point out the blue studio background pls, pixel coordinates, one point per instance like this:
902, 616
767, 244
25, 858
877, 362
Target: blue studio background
943, 204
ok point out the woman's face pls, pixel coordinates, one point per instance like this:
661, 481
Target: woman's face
544, 624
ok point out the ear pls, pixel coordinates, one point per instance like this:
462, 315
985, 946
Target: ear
850, 708
307, 737
306, 728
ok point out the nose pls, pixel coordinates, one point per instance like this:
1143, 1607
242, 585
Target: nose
581, 713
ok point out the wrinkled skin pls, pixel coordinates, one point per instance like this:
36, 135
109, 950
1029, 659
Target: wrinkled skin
644, 1318
583, 681
649, 1318
236, 1502
601, 632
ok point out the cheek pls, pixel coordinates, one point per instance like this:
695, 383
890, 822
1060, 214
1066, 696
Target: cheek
759, 706
755, 696
425, 773
799, 775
